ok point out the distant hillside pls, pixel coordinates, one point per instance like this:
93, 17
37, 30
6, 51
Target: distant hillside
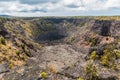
6, 16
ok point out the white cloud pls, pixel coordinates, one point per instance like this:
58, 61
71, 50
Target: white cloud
14, 6
68, 2
59, 7
112, 4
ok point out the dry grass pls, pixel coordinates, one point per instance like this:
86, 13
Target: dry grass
11, 54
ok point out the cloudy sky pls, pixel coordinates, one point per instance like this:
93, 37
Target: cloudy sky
59, 7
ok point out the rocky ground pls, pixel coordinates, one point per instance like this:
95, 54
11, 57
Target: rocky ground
59, 49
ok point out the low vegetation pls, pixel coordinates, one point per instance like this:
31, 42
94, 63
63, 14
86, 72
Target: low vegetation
2, 41
80, 79
109, 56
15, 56
91, 71
43, 75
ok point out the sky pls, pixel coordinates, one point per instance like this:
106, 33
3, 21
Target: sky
60, 7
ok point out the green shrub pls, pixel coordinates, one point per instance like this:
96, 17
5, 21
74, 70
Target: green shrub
11, 65
108, 58
80, 79
118, 40
26, 51
92, 41
91, 71
104, 60
81, 24
43, 75
71, 40
117, 53
17, 52
3, 41
93, 55
109, 55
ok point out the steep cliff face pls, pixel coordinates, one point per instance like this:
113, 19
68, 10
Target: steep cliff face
107, 28
15, 43
59, 49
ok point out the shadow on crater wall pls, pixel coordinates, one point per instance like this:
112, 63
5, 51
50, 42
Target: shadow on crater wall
50, 36
105, 30
102, 27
